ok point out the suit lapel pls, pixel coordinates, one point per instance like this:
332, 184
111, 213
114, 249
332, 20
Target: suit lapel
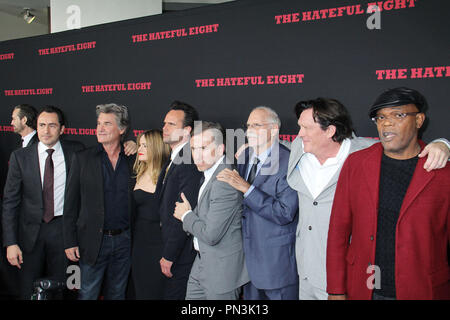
210, 181
35, 167
294, 176
372, 166
421, 178
333, 181
98, 172
67, 154
243, 162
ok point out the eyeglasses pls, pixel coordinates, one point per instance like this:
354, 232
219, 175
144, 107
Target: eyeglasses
256, 125
394, 116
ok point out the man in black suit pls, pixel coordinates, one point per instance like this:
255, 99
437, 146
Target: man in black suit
23, 120
33, 203
98, 207
178, 175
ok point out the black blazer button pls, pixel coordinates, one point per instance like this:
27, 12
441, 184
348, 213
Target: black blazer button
315, 203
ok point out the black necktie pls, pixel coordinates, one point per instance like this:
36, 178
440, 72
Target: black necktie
202, 179
47, 190
252, 174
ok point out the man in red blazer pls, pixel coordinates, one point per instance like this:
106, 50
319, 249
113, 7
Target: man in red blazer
389, 231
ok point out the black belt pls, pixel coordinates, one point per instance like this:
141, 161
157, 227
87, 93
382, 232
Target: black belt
114, 232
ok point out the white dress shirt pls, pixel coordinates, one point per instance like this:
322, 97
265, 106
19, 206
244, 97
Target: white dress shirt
316, 175
59, 173
27, 138
208, 175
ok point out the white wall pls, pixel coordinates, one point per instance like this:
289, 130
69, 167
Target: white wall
14, 27
99, 11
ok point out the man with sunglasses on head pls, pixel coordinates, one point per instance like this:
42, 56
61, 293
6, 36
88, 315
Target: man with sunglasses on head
390, 223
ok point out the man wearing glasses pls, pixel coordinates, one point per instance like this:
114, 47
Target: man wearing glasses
270, 208
324, 142
396, 214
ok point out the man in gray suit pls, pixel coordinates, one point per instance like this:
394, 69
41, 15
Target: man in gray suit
219, 268
317, 155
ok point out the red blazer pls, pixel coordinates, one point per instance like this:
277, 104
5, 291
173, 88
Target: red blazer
422, 234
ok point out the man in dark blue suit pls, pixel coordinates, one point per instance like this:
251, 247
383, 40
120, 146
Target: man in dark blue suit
270, 210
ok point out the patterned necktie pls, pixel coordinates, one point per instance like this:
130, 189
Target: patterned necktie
253, 169
47, 190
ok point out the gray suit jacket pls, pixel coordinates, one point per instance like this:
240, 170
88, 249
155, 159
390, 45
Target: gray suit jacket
319, 207
216, 222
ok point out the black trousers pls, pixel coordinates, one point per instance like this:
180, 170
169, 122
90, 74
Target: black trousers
46, 260
176, 287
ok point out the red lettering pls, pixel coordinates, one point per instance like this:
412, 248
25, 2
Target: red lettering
332, 13
428, 73
324, 12
316, 15
439, 71
306, 16
391, 74
416, 73
402, 74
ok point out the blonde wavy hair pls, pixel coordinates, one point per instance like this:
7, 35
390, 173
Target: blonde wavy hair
157, 154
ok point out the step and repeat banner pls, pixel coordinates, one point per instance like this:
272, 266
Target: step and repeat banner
228, 58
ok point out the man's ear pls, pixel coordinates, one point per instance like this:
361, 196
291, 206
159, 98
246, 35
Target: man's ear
331, 131
188, 130
62, 130
420, 119
24, 120
275, 131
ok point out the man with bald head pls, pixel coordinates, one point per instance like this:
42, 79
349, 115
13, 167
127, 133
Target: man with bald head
270, 210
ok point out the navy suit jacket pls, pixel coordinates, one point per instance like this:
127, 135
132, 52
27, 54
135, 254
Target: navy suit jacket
269, 222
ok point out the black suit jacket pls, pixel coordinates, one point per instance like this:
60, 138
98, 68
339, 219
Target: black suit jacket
23, 206
84, 207
181, 177
34, 140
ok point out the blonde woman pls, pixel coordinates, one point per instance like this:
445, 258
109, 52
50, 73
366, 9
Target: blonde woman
147, 242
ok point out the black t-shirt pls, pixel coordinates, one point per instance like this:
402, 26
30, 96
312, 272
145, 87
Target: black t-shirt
395, 176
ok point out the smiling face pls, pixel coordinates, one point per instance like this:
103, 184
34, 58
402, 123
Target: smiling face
315, 140
49, 128
108, 131
399, 135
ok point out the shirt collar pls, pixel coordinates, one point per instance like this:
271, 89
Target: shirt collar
263, 156
42, 148
209, 172
342, 154
177, 150
28, 137
101, 149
